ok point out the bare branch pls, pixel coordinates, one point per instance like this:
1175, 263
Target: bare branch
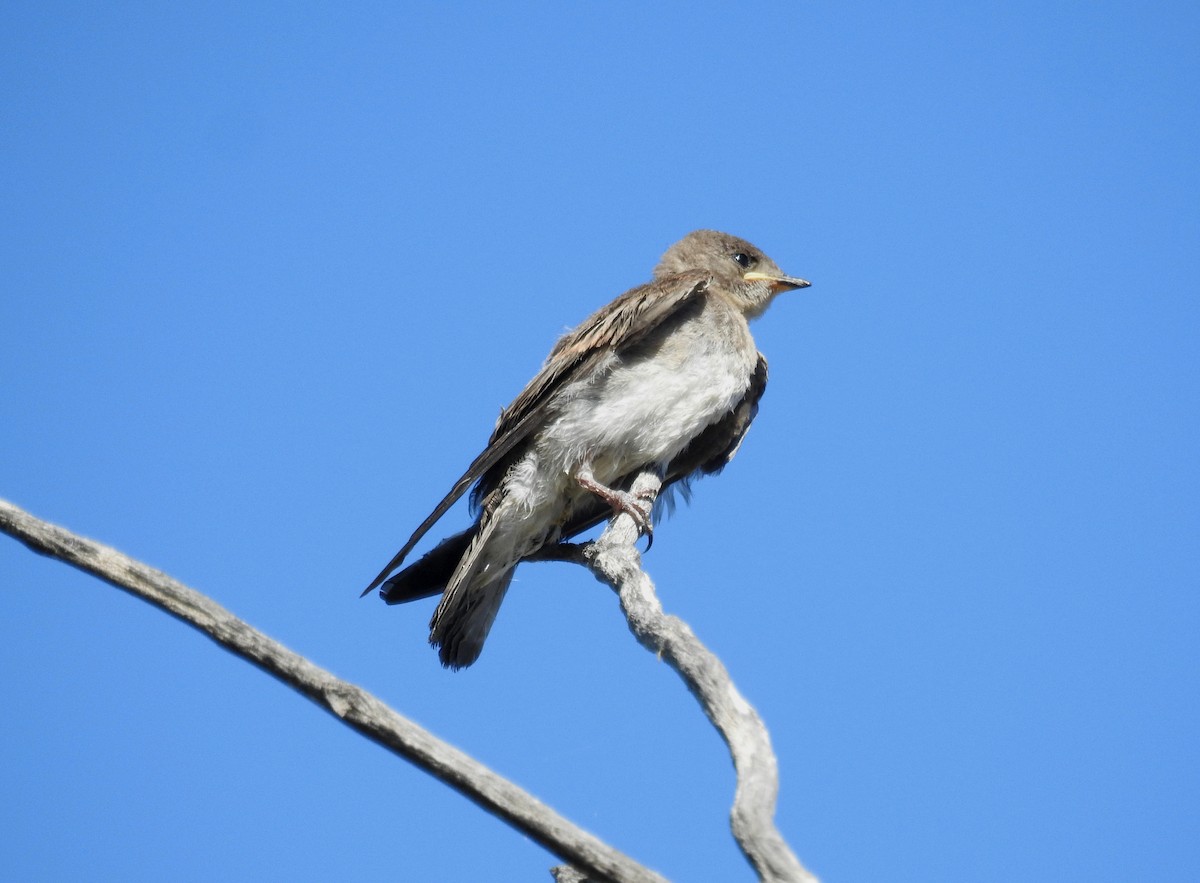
614, 560
567, 874
353, 705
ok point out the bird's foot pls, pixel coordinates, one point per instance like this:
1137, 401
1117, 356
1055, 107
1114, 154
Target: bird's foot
636, 506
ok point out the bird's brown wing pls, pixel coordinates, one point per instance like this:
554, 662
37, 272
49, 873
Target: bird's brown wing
612, 328
620, 324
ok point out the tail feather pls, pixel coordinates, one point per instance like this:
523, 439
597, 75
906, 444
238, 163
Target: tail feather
429, 575
473, 595
460, 634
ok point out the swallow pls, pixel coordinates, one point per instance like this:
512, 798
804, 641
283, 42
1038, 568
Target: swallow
665, 377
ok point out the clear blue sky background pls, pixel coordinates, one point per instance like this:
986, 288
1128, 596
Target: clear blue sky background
268, 274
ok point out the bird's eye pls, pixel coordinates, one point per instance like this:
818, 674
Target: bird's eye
744, 260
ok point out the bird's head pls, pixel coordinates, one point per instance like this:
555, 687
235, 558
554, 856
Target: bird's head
748, 277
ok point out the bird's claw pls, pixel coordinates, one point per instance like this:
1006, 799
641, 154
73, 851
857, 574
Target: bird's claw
636, 506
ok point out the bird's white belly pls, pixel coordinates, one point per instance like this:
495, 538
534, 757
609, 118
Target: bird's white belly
640, 409
644, 412
645, 407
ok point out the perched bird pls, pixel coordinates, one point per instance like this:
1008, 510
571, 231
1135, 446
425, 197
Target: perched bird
666, 376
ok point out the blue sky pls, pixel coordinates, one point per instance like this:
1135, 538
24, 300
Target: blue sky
269, 274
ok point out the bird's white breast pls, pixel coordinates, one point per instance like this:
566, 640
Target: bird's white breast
645, 406
638, 409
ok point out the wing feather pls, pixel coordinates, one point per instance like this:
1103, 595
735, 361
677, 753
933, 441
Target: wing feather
620, 324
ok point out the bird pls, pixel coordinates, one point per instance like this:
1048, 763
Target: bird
665, 377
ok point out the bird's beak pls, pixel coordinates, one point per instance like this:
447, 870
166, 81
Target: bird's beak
777, 283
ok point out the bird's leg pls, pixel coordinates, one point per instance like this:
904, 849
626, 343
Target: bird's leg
636, 506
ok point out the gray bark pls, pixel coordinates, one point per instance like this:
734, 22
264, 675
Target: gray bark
614, 560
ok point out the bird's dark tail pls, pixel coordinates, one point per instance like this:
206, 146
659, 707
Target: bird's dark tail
428, 575
468, 607
470, 599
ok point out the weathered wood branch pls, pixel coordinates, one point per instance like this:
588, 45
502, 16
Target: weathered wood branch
615, 561
354, 706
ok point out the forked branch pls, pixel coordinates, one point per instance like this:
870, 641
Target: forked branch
614, 560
